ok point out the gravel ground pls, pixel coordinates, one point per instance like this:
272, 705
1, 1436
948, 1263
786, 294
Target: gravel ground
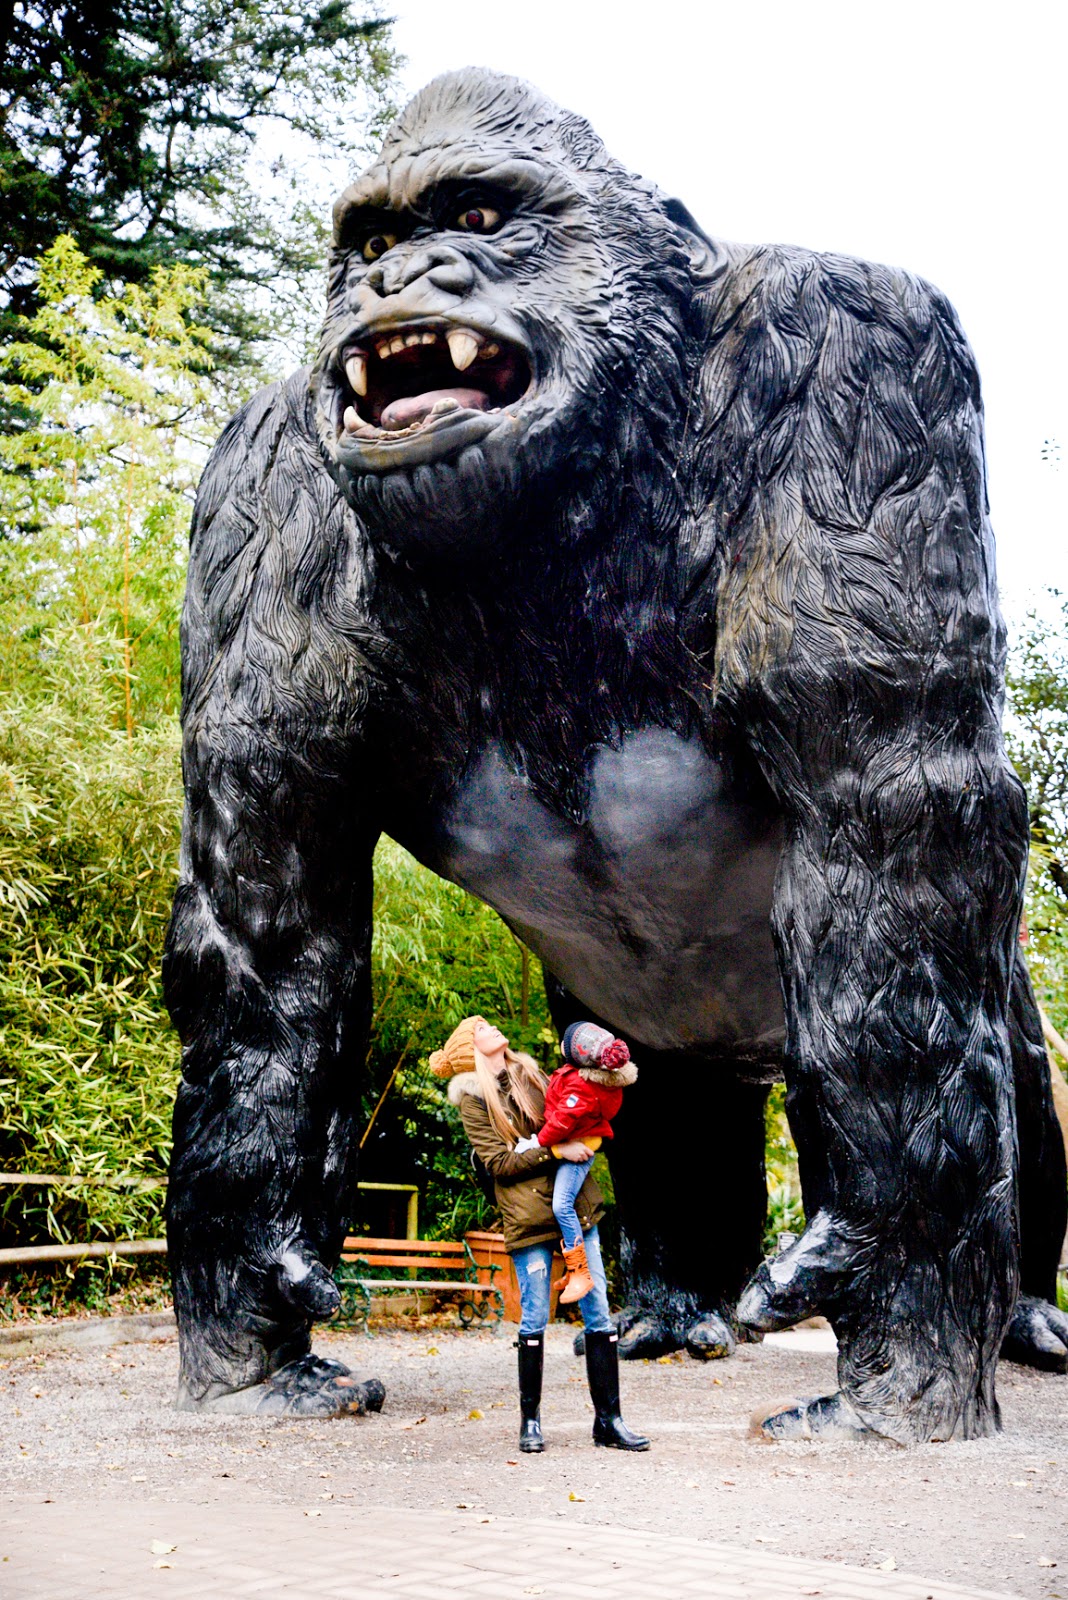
98, 1425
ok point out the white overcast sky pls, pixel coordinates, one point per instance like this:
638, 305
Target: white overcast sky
930, 135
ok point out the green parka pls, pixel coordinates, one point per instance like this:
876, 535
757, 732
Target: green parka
523, 1184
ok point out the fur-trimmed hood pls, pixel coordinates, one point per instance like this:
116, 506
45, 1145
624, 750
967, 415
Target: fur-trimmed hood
619, 1078
462, 1083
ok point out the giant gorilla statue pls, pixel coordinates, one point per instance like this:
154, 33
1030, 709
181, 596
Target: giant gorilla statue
643, 585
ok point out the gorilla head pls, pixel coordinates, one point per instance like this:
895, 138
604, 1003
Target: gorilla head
497, 280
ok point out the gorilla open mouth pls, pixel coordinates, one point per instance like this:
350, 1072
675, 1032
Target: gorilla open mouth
412, 379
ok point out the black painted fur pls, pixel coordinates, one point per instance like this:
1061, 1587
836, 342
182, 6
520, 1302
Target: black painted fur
742, 501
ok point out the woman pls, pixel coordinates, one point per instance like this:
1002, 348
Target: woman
501, 1096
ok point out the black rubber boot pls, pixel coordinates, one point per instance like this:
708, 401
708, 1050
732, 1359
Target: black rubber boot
602, 1370
531, 1347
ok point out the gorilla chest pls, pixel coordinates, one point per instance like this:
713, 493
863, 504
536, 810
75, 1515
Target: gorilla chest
654, 911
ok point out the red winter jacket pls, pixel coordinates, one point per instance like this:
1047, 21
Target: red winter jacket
576, 1108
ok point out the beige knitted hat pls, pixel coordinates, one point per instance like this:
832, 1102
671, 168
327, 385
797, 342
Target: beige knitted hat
457, 1054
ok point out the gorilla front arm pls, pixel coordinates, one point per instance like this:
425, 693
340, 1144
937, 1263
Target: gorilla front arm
267, 960
873, 700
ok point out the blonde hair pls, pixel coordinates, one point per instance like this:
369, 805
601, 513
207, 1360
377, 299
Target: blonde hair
526, 1085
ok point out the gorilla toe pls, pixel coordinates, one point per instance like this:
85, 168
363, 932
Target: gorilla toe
1037, 1336
710, 1339
830, 1416
805, 1279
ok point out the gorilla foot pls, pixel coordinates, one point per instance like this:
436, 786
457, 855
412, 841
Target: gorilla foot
803, 1280
310, 1386
710, 1339
1037, 1336
644, 1335
829, 1417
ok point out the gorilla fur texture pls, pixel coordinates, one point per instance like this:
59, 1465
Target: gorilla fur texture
642, 584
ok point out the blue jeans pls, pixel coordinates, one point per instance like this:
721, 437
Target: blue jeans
570, 1176
532, 1268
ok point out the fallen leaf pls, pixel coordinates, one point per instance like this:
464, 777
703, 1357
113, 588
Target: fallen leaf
433, 1351
313, 1513
475, 1416
535, 1488
159, 1547
1044, 1561
574, 1496
163, 1563
889, 1565
487, 1519
138, 1477
692, 1483
534, 1590
326, 1495
729, 1482
767, 1538
326, 1474
463, 1505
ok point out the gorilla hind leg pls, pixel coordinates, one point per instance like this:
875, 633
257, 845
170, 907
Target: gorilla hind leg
687, 1163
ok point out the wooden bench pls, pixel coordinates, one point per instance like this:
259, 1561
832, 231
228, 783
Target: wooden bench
361, 1259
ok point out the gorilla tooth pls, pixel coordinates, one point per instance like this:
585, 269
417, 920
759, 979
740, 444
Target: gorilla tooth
351, 418
413, 338
488, 352
429, 338
463, 347
445, 404
396, 345
356, 372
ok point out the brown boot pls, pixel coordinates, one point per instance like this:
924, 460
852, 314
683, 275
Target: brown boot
578, 1282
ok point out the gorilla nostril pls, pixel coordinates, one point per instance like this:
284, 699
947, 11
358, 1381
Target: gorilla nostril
455, 277
441, 268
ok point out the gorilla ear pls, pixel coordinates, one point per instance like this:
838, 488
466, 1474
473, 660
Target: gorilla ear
706, 258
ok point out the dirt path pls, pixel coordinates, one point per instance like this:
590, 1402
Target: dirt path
98, 1425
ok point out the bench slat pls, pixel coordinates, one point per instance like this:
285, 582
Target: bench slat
442, 1246
423, 1283
405, 1261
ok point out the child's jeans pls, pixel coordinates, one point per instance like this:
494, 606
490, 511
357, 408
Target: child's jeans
570, 1176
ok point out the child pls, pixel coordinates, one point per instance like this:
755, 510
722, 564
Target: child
583, 1096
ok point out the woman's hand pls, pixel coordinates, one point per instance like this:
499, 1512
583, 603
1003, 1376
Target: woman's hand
575, 1150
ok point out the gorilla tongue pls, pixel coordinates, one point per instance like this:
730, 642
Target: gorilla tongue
412, 409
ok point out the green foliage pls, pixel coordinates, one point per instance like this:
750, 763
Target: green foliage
95, 493
1037, 734
88, 857
785, 1211
128, 124
96, 484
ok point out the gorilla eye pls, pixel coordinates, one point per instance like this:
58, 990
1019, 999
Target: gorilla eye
377, 245
478, 219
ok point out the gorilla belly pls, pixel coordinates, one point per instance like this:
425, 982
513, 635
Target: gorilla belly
654, 912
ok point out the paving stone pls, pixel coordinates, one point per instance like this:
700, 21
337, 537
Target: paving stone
102, 1552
